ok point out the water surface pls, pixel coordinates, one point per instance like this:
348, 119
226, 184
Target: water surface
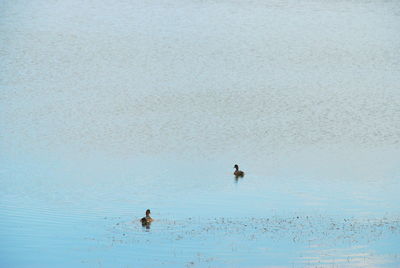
107, 109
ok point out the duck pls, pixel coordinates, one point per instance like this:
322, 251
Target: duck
146, 220
238, 173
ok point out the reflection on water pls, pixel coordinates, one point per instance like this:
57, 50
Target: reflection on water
146, 225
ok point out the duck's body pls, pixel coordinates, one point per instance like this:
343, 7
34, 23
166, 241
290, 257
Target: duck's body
238, 173
146, 220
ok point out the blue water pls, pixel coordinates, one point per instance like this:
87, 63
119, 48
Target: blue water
84, 212
109, 109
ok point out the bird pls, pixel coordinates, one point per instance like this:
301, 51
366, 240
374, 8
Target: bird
146, 220
238, 173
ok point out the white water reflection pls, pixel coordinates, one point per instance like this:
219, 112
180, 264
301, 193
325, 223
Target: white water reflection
345, 258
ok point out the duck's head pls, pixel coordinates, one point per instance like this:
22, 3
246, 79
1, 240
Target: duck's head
236, 167
148, 212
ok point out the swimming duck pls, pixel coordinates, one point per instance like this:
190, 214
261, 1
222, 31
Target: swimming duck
238, 173
146, 220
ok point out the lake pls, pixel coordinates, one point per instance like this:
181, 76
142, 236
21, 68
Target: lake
109, 108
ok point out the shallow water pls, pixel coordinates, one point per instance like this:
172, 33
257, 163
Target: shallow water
108, 109
88, 214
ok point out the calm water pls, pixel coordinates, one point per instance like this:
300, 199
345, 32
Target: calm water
110, 108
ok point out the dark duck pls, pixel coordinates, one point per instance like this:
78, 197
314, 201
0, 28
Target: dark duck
146, 220
238, 173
